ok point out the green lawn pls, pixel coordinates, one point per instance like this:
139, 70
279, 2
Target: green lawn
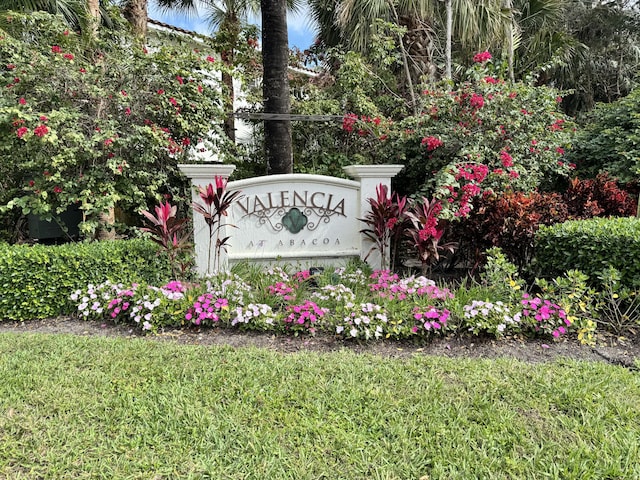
78, 407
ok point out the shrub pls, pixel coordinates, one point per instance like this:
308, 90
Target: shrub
590, 246
610, 139
598, 197
509, 221
36, 281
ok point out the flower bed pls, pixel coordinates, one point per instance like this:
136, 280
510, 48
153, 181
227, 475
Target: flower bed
344, 302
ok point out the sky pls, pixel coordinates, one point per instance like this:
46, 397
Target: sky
301, 29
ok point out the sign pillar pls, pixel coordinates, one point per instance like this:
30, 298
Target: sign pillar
370, 176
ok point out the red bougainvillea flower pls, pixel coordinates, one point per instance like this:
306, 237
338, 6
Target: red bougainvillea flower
186, 141
43, 118
82, 70
506, 159
160, 91
11, 66
173, 101
31, 183
179, 79
41, 130
127, 111
22, 101
349, 121
491, 80
56, 49
21, 132
57, 189
482, 57
69, 56
476, 101
432, 143
108, 142
210, 59
560, 150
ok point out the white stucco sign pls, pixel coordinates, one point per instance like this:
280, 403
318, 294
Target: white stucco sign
296, 218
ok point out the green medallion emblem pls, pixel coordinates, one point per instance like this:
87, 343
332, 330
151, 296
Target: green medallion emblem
294, 220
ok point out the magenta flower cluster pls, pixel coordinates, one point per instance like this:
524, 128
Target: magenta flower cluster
281, 289
206, 309
549, 317
304, 317
429, 319
389, 286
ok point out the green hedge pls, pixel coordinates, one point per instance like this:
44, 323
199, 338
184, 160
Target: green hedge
590, 246
36, 281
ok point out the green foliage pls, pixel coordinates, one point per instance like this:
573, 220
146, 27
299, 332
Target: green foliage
36, 281
99, 125
590, 246
501, 276
620, 306
610, 139
581, 302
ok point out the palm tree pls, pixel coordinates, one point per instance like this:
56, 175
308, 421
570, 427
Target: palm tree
79, 14
275, 85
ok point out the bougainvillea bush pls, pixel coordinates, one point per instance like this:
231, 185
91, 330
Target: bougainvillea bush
98, 124
482, 136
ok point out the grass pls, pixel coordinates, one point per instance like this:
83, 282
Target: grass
78, 407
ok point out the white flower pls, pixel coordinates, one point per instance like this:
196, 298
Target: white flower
339, 329
354, 332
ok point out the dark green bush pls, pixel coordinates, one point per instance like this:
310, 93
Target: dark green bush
590, 246
36, 281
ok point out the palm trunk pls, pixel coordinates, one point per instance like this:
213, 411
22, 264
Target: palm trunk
229, 120
447, 53
93, 8
135, 11
275, 89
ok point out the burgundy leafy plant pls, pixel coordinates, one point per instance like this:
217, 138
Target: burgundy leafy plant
168, 231
217, 201
386, 221
426, 231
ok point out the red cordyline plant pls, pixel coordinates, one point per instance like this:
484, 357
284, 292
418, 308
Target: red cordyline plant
426, 231
386, 222
217, 201
168, 231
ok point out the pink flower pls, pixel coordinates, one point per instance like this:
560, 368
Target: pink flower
160, 91
173, 101
57, 189
11, 66
82, 70
482, 57
432, 143
560, 150
108, 142
56, 49
513, 174
210, 59
69, 56
506, 159
41, 130
22, 101
491, 80
43, 118
179, 79
476, 101
21, 132
127, 111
